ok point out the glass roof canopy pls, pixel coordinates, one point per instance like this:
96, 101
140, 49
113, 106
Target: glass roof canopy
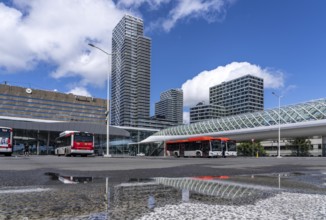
304, 112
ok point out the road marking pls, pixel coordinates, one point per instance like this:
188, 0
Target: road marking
11, 191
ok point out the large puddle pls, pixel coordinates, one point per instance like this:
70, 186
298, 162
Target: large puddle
270, 196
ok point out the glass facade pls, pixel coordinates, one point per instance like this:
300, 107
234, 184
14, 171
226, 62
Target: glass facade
43, 142
133, 147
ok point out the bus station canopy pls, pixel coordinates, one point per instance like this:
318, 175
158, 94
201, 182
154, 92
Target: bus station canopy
304, 119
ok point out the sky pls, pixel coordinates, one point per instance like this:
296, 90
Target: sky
196, 44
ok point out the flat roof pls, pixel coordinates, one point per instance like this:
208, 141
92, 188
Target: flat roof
44, 125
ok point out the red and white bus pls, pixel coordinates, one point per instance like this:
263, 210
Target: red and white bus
204, 146
72, 143
6, 141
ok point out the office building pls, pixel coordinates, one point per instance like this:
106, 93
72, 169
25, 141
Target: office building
170, 106
242, 95
130, 85
203, 112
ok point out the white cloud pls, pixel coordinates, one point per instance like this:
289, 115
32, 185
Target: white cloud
57, 32
197, 88
153, 4
178, 10
79, 91
186, 117
210, 10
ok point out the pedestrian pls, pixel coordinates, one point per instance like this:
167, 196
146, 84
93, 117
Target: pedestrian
26, 149
223, 151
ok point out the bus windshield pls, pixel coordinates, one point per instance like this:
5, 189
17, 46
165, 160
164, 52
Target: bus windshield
4, 133
83, 137
232, 146
216, 145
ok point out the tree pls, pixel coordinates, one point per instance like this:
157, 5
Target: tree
300, 147
250, 149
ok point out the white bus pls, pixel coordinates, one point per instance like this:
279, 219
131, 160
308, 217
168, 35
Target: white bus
72, 143
6, 141
204, 146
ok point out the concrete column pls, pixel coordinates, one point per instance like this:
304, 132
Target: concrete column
38, 143
48, 143
323, 146
164, 146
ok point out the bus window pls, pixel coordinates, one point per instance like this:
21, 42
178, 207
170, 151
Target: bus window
83, 137
216, 145
232, 146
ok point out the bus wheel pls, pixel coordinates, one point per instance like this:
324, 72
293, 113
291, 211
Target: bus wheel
198, 154
8, 155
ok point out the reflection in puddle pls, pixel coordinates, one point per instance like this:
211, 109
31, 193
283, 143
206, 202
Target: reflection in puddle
75, 180
134, 199
309, 182
151, 202
214, 187
219, 197
69, 179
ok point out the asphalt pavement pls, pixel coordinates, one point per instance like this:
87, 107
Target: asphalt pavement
51, 187
30, 170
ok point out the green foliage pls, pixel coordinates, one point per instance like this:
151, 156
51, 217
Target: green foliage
300, 147
250, 149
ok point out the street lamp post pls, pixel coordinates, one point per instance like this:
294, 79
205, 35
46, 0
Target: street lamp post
107, 107
279, 124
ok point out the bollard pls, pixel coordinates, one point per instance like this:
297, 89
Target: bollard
257, 154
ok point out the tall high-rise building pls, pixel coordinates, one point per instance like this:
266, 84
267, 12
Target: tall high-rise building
170, 105
241, 95
130, 85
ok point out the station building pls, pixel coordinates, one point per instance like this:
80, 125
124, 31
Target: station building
38, 116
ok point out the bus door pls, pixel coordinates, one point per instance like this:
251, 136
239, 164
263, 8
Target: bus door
205, 148
231, 148
182, 149
223, 148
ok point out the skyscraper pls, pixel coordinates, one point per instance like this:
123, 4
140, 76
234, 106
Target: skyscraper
130, 85
241, 95
170, 105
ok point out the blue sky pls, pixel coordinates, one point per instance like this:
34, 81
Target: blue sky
195, 44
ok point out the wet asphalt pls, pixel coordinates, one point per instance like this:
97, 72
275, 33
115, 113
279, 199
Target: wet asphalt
30, 187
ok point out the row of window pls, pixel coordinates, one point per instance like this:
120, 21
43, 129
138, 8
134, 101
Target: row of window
48, 102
